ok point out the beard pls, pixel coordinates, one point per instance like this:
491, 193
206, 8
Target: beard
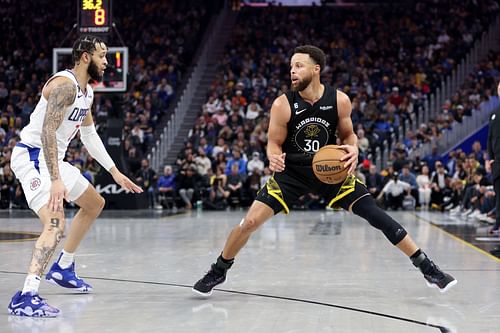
302, 84
94, 72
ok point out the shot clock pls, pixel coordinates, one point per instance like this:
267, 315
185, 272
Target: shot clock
94, 16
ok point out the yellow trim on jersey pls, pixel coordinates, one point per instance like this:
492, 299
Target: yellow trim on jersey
274, 190
347, 187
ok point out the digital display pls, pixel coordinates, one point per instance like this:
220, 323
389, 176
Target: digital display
115, 75
284, 3
94, 16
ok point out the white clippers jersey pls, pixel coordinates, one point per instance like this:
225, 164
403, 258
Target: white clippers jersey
74, 116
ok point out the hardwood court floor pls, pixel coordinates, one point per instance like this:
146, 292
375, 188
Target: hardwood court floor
310, 271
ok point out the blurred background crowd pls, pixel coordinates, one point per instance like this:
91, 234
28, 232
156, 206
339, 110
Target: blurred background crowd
388, 60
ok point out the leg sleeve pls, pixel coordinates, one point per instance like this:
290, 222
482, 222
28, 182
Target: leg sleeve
367, 209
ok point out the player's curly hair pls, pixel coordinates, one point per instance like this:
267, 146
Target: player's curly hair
84, 43
316, 54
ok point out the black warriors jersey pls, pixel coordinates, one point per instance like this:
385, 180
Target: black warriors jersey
310, 127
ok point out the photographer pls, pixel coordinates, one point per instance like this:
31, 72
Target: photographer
394, 192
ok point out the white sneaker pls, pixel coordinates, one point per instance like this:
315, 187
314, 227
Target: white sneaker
455, 211
480, 217
474, 214
466, 212
490, 220
485, 218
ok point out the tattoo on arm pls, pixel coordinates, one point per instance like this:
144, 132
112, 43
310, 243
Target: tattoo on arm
60, 97
42, 254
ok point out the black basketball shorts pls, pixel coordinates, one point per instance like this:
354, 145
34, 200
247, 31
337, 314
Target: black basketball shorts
285, 188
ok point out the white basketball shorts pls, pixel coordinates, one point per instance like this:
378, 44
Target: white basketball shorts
28, 164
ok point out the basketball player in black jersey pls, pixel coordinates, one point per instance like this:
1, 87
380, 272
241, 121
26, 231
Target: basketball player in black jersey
302, 121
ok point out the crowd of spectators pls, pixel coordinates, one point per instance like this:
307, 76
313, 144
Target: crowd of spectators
160, 47
387, 60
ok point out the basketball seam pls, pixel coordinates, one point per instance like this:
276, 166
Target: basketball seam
326, 160
330, 174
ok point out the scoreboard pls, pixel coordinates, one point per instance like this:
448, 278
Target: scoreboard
94, 16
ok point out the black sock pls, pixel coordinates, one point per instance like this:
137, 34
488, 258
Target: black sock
226, 261
223, 264
416, 254
420, 260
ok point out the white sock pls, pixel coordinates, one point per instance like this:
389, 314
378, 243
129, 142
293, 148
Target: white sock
31, 284
65, 259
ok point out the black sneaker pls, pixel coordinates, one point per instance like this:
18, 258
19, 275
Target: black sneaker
433, 275
439, 279
213, 278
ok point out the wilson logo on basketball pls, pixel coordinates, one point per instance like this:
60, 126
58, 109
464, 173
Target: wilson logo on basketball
327, 168
35, 183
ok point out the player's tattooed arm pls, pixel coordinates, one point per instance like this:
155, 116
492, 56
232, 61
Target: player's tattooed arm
60, 97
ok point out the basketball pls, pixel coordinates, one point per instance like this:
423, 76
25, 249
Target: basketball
327, 166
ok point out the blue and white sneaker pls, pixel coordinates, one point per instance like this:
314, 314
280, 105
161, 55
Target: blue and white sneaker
31, 305
67, 278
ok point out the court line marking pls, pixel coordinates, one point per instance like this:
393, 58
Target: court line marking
471, 270
442, 329
149, 217
152, 215
460, 240
34, 236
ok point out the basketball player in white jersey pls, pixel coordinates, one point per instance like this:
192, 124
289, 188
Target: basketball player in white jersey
47, 180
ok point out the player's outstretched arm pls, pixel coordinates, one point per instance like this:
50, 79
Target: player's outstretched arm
96, 149
124, 181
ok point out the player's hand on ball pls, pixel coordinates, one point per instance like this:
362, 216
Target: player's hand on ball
126, 183
351, 158
277, 162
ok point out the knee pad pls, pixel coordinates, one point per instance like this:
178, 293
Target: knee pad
367, 209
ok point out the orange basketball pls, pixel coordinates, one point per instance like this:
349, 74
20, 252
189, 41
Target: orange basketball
327, 165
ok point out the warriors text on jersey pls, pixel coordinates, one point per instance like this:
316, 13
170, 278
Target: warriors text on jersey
73, 118
310, 126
